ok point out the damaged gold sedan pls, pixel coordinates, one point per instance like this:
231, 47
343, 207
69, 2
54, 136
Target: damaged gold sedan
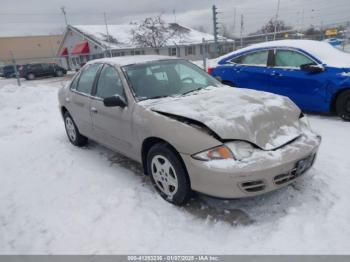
190, 132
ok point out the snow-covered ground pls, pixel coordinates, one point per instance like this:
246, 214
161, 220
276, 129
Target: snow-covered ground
59, 199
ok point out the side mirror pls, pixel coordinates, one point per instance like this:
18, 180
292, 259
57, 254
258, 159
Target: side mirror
113, 101
312, 68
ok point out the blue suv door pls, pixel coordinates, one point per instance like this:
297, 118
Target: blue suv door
306, 89
248, 70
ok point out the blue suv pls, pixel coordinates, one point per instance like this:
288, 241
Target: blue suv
315, 75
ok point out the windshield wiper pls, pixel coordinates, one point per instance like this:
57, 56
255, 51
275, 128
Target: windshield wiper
154, 97
197, 89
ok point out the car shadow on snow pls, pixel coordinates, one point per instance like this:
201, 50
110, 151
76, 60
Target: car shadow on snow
308, 190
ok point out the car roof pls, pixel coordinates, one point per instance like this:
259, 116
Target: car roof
322, 51
130, 60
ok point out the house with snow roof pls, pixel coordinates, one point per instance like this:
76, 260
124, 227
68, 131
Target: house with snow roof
82, 43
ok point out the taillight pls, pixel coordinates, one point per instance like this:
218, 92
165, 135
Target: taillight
210, 70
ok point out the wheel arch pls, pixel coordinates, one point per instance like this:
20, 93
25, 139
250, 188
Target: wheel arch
335, 97
228, 82
148, 143
63, 110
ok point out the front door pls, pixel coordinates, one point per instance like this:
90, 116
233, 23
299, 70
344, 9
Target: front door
112, 125
307, 90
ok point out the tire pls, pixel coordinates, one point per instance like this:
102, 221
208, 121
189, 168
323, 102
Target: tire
168, 174
72, 131
59, 73
30, 76
343, 105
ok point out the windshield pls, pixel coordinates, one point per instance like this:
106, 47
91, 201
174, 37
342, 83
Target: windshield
166, 78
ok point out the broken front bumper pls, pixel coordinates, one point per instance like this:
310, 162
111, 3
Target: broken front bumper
261, 173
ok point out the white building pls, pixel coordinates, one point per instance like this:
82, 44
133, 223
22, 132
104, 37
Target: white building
82, 43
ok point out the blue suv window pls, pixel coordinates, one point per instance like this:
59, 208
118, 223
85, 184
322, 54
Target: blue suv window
289, 58
256, 58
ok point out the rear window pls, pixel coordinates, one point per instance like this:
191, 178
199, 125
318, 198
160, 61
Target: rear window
256, 58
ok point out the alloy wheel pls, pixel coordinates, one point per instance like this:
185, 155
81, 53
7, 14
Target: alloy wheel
164, 175
72, 134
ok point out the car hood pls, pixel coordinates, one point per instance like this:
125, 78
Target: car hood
266, 120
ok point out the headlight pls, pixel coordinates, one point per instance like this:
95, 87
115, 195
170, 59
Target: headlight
241, 149
236, 150
216, 153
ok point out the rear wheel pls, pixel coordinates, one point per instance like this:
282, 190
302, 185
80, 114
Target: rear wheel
72, 131
31, 76
59, 73
168, 175
343, 105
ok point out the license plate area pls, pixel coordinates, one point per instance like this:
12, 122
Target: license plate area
303, 165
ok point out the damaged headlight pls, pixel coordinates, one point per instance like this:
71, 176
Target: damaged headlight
236, 150
241, 149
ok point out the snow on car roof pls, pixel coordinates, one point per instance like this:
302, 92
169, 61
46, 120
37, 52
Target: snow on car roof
323, 51
129, 60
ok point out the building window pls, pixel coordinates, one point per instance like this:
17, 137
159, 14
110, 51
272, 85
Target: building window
118, 53
172, 51
190, 50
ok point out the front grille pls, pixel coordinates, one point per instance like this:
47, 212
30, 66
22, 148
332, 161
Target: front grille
284, 178
253, 186
300, 168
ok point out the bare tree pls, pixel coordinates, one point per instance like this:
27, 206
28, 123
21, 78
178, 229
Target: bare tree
269, 27
154, 32
110, 39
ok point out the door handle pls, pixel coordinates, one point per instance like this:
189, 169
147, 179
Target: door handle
276, 74
94, 110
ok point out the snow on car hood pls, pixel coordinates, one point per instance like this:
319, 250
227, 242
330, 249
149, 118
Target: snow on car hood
266, 120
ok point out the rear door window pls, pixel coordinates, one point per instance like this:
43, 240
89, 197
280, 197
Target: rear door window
258, 58
87, 77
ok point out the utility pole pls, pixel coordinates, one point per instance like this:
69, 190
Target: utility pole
242, 28
234, 21
276, 19
15, 68
108, 37
204, 57
216, 29
63, 9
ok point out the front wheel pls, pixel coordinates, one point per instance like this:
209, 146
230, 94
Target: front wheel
343, 105
168, 175
72, 131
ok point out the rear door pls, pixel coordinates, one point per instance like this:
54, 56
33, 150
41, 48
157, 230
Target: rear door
307, 90
112, 125
249, 70
80, 99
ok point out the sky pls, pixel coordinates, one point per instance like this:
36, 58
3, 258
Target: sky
35, 17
